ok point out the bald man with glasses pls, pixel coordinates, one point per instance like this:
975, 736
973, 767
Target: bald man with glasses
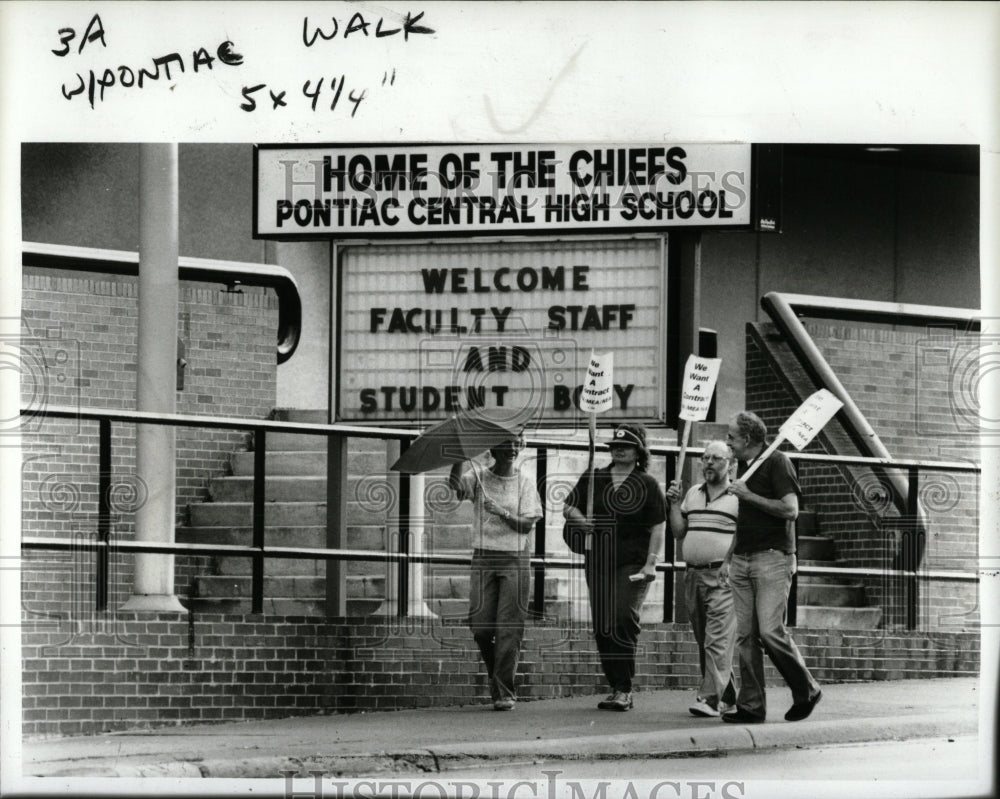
705, 522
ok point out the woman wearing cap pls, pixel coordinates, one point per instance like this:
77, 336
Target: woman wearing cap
625, 536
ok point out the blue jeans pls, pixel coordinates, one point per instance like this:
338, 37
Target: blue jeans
499, 589
710, 609
760, 582
615, 603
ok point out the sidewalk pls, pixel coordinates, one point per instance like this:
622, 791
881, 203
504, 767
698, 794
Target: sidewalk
435, 740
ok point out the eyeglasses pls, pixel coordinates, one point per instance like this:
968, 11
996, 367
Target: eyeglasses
714, 459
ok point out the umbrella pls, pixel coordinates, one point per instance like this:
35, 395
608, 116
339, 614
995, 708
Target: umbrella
456, 439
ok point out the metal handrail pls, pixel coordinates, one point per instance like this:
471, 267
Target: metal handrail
780, 308
376, 556
896, 313
203, 270
102, 545
400, 434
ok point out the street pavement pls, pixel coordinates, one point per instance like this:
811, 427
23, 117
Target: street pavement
566, 729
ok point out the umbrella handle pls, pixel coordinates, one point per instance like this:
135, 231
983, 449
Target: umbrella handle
482, 487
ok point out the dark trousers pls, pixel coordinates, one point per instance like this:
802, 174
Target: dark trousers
498, 603
615, 603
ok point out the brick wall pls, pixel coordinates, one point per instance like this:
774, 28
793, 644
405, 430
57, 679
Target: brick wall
910, 385
79, 350
160, 670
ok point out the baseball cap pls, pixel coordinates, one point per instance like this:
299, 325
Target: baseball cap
625, 435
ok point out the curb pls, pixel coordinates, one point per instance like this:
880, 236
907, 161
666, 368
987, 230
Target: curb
663, 743
680, 743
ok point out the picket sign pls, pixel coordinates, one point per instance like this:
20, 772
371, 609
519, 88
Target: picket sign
802, 426
598, 388
700, 377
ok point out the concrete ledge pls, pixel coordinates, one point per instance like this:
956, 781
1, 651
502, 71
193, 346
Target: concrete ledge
729, 737
661, 743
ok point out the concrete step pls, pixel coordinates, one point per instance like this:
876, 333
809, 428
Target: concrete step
306, 579
309, 462
312, 440
296, 567
240, 514
293, 442
837, 618
840, 596
301, 488
280, 607
556, 610
816, 547
306, 462
286, 587
300, 415
358, 536
276, 489
273, 567
441, 540
278, 514
229, 566
822, 579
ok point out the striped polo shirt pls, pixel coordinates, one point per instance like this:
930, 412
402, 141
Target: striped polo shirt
710, 525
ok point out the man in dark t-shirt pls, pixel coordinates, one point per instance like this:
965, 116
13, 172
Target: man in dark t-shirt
759, 569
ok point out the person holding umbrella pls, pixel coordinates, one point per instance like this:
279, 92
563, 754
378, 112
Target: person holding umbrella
625, 536
506, 505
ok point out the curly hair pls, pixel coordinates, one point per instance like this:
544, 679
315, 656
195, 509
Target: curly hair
642, 451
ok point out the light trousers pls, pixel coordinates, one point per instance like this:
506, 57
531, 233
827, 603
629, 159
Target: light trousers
713, 622
760, 583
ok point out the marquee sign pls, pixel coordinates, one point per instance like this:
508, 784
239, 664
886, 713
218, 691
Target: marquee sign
431, 328
372, 191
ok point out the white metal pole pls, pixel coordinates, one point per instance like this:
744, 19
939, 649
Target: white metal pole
153, 586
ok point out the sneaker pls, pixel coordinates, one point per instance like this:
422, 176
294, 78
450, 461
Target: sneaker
622, 700
503, 704
741, 716
701, 708
606, 703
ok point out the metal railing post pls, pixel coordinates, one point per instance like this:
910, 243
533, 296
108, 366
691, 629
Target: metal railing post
259, 495
336, 523
103, 514
792, 607
669, 548
911, 549
403, 573
541, 477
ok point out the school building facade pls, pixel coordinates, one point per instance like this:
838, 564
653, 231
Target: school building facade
869, 255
